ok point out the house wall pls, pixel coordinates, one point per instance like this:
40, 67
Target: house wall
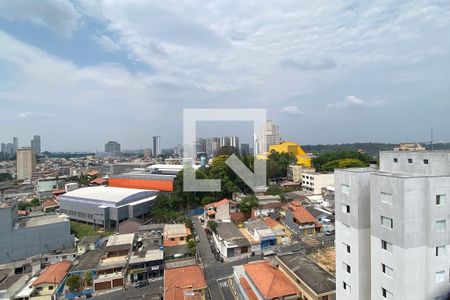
223, 212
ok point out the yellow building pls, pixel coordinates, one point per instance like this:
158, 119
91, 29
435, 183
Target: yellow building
294, 148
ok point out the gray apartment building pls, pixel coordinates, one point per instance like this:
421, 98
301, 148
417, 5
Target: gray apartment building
392, 228
106, 206
22, 238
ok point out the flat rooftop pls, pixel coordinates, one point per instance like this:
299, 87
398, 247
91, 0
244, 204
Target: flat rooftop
88, 260
108, 194
120, 239
42, 220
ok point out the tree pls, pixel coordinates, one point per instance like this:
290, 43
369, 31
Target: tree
342, 164
278, 164
35, 202
320, 161
87, 278
5, 177
192, 246
212, 225
227, 150
73, 282
248, 203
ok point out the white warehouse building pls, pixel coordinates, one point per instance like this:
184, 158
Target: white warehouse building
392, 228
106, 206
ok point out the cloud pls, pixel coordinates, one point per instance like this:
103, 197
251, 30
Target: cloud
29, 114
353, 101
59, 16
106, 43
324, 63
291, 110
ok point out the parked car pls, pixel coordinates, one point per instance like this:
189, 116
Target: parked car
330, 232
141, 284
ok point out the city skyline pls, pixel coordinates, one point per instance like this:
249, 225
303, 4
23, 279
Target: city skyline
64, 62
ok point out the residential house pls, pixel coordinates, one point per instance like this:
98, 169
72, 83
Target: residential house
261, 280
275, 225
83, 265
313, 281
230, 241
111, 268
175, 234
185, 283
49, 281
268, 205
49, 205
87, 243
259, 231
11, 282
299, 220
221, 210
131, 225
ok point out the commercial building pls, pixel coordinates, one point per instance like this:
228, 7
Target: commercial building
123, 167
3, 148
15, 144
112, 147
106, 206
245, 149
392, 232
313, 281
21, 238
156, 146
212, 145
10, 149
26, 163
234, 142
270, 135
295, 149
36, 144
313, 182
230, 241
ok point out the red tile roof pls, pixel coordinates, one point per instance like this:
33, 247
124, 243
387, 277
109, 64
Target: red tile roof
238, 217
270, 281
271, 222
179, 280
247, 289
49, 203
99, 181
54, 273
220, 203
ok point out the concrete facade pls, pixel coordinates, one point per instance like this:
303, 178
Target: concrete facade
396, 222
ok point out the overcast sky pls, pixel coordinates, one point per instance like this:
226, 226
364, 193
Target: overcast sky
80, 73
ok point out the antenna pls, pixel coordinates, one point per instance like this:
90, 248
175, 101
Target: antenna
431, 135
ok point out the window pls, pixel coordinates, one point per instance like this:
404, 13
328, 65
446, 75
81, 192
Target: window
440, 199
50, 287
440, 225
386, 197
439, 276
396, 160
440, 250
386, 294
346, 208
425, 161
345, 189
346, 267
347, 287
410, 161
387, 270
346, 247
386, 246
387, 222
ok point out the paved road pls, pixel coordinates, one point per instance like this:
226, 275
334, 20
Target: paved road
151, 292
203, 246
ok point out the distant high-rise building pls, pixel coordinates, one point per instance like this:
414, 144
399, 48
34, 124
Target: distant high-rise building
9, 149
36, 144
245, 149
178, 150
225, 141
234, 142
3, 148
156, 146
112, 147
15, 144
200, 145
212, 145
147, 153
270, 135
26, 163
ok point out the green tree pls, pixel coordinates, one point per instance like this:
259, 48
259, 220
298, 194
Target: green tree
320, 161
343, 164
278, 164
5, 177
35, 202
212, 225
73, 282
87, 278
248, 203
192, 246
227, 150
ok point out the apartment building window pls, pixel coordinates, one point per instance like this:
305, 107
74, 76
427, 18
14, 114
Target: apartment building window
440, 250
386, 197
440, 225
387, 222
346, 208
440, 200
347, 287
396, 160
439, 276
346, 247
386, 294
345, 189
386, 246
425, 161
347, 268
387, 270
410, 161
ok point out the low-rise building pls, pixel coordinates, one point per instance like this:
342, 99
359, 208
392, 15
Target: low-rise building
175, 234
185, 283
313, 182
11, 282
221, 210
275, 225
261, 280
299, 220
230, 241
268, 205
262, 233
87, 243
48, 282
312, 280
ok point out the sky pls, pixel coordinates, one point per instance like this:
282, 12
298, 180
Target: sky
81, 73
